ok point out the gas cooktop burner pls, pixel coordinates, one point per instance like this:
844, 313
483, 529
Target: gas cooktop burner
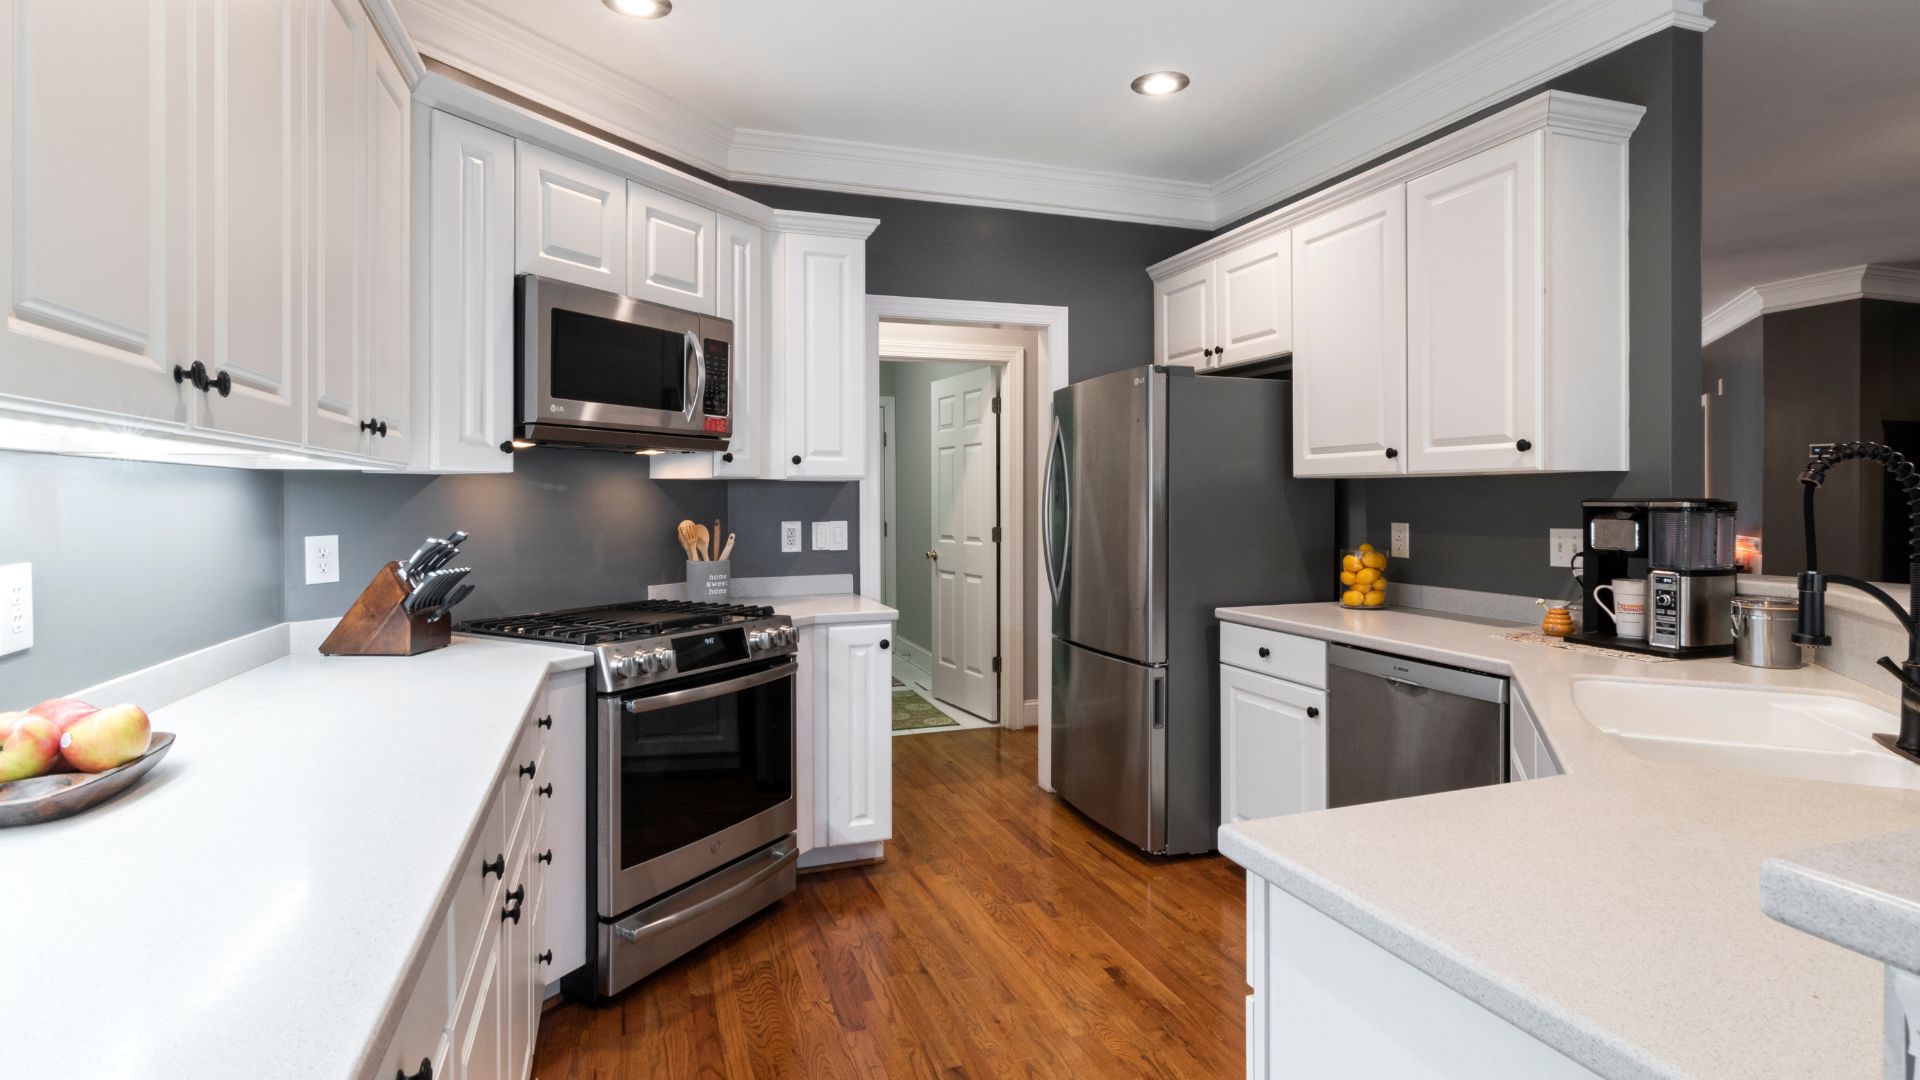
616, 622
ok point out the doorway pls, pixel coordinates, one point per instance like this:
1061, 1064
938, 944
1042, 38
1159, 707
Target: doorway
940, 472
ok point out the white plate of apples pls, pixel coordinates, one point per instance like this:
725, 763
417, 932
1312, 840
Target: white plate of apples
63, 756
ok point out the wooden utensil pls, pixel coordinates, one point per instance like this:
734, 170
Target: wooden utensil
727, 552
714, 551
701, 541
689, 536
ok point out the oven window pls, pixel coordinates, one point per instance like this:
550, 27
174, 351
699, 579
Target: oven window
689, 771
617, 363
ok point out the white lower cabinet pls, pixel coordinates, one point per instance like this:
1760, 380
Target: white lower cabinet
1273, 731
844, 741
1530, 757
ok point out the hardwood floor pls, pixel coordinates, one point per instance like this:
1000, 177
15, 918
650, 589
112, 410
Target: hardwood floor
1003, 936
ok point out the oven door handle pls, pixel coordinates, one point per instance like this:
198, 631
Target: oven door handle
701, 693
695, 375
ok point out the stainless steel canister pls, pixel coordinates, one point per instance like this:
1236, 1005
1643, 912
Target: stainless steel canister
1763, 631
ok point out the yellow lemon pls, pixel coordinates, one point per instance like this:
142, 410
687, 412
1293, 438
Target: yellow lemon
1365, 548
1350, 564
1353, 598
1366, 577
1376, 598
1375, 560
1348, 577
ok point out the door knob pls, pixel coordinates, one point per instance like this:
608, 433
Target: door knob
934, 555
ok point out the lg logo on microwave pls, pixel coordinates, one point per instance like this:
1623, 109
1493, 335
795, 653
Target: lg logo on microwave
556, 408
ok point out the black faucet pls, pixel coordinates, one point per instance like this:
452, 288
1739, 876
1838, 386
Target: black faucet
1812, 628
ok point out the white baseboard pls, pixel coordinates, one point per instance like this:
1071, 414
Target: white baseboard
1029, 713
914, 653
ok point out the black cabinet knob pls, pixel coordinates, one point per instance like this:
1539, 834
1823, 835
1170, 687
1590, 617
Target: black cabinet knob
1392, 453
545, 856
223, 383
1523, 446
527, 769
796, 459
425, 1073
378, 427
1206, 352
498, 867
727, 457
545, 957
885, 644
1312, 712
544, 789
545, 721
1265, 652
202, 380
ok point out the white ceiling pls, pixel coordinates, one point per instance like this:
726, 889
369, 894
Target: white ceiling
1025, 102
1811, 140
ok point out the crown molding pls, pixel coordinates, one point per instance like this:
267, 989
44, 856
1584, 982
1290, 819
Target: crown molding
1555, 110
811, 224
1866, 282
1562, 36
386, 23
771, 157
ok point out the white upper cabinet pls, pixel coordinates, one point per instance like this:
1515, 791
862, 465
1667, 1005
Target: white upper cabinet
389, 335
670, 250
337, 375
740, 296
1254, 319
95, 297
572, 224
824, 381
1349, 332
468, 200
1183, 318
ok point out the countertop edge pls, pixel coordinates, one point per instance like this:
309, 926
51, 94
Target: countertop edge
1566, 1032
1869, 921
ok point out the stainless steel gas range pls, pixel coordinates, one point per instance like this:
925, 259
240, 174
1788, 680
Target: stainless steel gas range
690, 774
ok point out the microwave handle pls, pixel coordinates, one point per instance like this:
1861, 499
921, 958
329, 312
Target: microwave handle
697, 377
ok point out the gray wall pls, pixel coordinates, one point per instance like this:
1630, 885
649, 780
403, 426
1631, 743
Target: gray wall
1095, 269
1491, 533
911, 387
133, 564
1732, 376
566, 528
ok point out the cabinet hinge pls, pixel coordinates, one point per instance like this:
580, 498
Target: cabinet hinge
996, 534
883, 440
886, 528
996, 405
996, 665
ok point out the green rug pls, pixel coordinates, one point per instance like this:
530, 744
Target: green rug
911, 712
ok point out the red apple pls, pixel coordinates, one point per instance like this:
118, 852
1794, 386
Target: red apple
30, 749
105, 739
63, 711
7, 722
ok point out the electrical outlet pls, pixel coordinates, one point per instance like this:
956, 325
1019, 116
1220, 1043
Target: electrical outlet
16, 608
323, 559
839, 531
789, 536
1563, 543
1402, 539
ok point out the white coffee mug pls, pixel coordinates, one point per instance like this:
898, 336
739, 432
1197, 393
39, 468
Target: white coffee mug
1630, 596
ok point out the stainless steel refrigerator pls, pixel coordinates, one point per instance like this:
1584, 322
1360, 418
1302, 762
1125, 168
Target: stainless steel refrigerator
1167, 495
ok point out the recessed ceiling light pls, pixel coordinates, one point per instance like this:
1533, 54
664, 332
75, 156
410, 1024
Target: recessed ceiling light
641, 9
1153, 83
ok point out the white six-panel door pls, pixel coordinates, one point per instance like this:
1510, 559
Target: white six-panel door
1350, 339
470, 301
966, 567
1273, 746
1184, 318
1474, 334
670, 250
858, 716
1255, 305
572, 222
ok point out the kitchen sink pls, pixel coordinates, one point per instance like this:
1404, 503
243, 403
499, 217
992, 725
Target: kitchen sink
1772, 732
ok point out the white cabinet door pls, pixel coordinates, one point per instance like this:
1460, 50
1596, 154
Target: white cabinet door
249, 148
1183, 311
1273, 746
389, 339
572, 222
1350, 340
740, 294
337, 393
91, 290
1475, 359
670, 250
1255, 305
516, 960
469, 302
477, 1031
422, 1035
820, 358
859, 729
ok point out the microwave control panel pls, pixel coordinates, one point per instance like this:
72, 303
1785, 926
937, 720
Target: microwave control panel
715, 402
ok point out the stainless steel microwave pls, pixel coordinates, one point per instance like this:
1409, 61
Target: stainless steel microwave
605, 371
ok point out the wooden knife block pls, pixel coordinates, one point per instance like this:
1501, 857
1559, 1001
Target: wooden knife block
377, 624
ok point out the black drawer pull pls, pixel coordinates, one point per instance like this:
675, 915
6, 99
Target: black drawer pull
1312, 712
796, 459
515, 899
727, 457
1265, 652
1392, 453
1523, 446
498, 867
545, 957
378, 427
885, 644
545, 722
544, 789
545, 857
527, 769
425, 1073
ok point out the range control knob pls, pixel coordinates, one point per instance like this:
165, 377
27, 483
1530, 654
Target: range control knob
662, 659
786, 635
627, 666
759, 639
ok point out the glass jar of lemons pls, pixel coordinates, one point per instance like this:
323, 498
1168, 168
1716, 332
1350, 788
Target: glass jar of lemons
1363, 577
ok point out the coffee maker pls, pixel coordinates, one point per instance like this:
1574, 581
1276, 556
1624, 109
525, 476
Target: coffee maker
1684, 550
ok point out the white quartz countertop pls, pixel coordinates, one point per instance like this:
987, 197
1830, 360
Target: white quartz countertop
1613, 912
1864, 895
254, 904
826, 608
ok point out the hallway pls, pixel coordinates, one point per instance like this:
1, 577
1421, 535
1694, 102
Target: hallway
1002, 936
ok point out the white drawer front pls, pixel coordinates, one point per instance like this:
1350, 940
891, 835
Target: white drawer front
1296, 659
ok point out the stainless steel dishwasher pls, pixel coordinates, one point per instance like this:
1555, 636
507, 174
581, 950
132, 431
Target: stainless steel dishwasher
1398, 727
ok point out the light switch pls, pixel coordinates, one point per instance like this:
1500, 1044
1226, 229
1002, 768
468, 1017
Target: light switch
839, 535
823, 536
16, 608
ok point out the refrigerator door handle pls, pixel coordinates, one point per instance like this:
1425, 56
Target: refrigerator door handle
1057, 452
